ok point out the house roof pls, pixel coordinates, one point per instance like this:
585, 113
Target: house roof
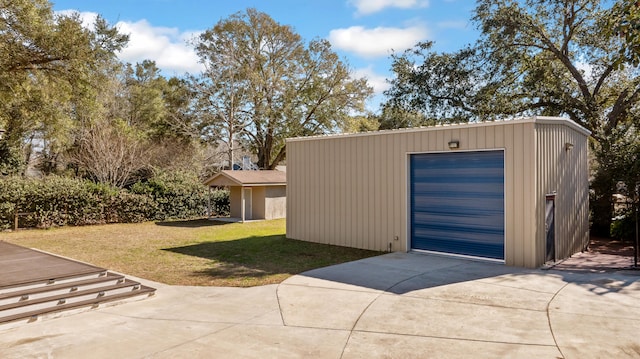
248, 178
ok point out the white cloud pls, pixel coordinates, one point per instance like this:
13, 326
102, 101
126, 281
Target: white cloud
378, 41
166, 46
88, 18
366, 7
377, 81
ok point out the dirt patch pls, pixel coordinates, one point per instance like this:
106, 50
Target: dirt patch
610, 246
602, 255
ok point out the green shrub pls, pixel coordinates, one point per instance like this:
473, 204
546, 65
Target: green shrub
220, 205
10, 192
59, 201
182, 195
623, 227
42, 203
131, 208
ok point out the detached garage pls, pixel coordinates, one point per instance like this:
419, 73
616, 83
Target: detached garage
510, 191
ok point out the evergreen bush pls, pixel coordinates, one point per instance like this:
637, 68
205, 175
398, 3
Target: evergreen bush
58, 201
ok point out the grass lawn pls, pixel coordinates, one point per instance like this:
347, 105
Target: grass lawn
198, 252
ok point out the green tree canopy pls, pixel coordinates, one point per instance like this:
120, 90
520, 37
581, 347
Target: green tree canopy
625, 22
264, 84
49, 67
132, 130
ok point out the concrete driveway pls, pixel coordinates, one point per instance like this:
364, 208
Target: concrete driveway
391, 306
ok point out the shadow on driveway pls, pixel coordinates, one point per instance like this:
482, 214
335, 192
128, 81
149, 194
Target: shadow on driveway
402, 273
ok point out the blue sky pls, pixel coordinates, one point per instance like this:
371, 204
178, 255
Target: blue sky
364, 32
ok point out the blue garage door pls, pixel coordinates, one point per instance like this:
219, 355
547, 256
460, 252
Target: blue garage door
457, 203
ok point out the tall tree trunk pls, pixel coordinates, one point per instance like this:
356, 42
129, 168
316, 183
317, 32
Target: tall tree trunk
261, 158
264, 153
278, 158
230, 147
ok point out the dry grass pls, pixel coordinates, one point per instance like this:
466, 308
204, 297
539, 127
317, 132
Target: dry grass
199, 252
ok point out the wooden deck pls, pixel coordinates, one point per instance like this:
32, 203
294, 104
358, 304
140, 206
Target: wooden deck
19, 265
34, 284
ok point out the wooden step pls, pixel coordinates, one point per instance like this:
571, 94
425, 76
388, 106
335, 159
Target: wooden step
90, 303
60, 288
68, 297
30, 307
48, 282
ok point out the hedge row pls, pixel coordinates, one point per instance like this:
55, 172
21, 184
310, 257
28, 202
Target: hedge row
59, 201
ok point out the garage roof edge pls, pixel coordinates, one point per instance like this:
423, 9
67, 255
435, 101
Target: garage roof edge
534, 119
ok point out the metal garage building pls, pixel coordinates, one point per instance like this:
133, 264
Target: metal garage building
513, 191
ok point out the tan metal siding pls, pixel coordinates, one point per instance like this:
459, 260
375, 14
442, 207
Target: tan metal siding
566, 173
528, 168
352, 190
509, 194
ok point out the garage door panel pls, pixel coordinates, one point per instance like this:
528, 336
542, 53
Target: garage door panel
462, 207
459, 232
467, 247
446, 194
468, 179
457, 203
452, 191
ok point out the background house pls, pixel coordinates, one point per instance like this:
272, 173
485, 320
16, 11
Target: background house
511, 191
254, 194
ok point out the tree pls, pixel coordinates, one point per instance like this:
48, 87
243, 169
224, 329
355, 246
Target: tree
431, 85
147, 109
155, 108
265, 85
48, 65
366, 123
534, 57
110, 153
222, 90
135, 115
625, 22
395, 116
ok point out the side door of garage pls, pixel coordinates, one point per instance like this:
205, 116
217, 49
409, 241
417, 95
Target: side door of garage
457, 203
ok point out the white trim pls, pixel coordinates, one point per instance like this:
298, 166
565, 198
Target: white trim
241, 204
249, 192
